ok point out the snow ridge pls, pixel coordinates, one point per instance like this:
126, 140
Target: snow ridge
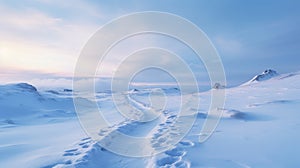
266, 75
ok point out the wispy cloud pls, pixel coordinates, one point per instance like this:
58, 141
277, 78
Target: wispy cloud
48, 35
36, 40
77, 7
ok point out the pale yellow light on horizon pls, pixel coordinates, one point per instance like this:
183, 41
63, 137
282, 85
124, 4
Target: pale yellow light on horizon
34, 57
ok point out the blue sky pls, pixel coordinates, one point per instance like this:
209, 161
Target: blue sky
43, 38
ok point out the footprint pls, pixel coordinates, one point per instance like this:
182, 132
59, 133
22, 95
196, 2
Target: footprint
167, 161
68, 154
176, 152
161, 140
85, 146
174, 134
81, 147
83, 143
68, 162
71, 150
186, 143
162, 129
156, 145
182, 164
157, 135
103, 132
175, 156
84, 139
172, 116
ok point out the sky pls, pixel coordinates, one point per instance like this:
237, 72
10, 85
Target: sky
40, 40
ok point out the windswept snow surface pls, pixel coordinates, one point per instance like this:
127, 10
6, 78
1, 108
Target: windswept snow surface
259, 128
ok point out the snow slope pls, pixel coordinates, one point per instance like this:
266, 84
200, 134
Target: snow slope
266, 75
259, 128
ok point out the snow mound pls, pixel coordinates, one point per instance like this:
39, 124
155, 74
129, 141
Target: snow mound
25, 87
19, 87
22, 103
266, 75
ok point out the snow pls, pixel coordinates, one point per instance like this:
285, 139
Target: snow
266, 75
259, 128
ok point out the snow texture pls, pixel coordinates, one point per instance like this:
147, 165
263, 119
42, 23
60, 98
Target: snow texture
259, 128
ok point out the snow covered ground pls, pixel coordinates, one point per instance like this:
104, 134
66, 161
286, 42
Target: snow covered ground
259, 128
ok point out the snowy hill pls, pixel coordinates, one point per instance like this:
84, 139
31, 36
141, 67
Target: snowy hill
259, 128
266, 75
22, 103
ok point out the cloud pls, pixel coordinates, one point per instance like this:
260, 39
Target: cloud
47, 36
27, 20
39, 41
76, 7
